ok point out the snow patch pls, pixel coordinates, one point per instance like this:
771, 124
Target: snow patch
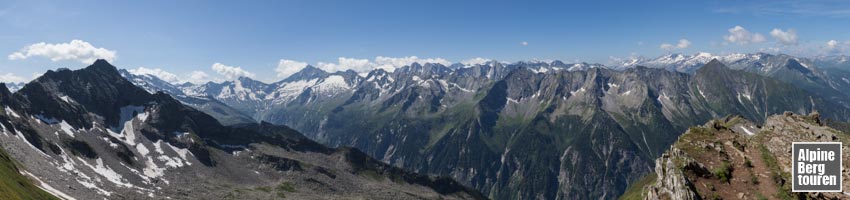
748, 131
580, 90
803, 64
455, 85
111, 144
91, 185
142, 149
14, 114
107, 173
289, 91
152, 170
128, 133
172, 162
69, 166
739, 98
537, 71
157, 146
66, 99
67, 128
747, 96
180, 152
331, 84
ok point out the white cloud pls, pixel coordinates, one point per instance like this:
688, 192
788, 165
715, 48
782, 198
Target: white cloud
683, 43
159, 73
11, 78
770, 49
78, 50
35, 75
390, 64
524, 43
197, 77
831, 44
788, 37
741, 36
230, 72
343, 64
475, 61
285, 68
386, 63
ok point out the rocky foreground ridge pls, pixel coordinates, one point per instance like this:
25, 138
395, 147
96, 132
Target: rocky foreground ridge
733, 158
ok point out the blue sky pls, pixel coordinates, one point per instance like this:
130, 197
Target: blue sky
184, 38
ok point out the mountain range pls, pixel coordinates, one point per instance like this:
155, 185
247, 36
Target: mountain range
526, 130
92, 134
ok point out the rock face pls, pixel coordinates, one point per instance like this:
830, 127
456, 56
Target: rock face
671, 182
591, 131
91, 134
731, 158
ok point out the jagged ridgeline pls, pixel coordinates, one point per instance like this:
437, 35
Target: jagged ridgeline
91, 134
528, 130
733, 158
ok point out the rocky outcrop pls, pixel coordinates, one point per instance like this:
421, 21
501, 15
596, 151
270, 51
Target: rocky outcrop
732, 158
671, 182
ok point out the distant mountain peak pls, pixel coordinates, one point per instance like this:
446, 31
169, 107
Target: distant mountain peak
309, 72
557, 62
249, 81
795, 64
104, 66
714, 61
713, 66
99, 88
101, 62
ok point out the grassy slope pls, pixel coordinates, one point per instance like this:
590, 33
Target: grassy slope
635, 190
13, 185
